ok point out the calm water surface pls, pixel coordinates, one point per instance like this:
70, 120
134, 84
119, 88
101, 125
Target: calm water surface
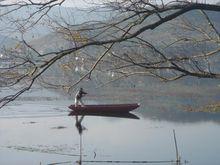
56, 139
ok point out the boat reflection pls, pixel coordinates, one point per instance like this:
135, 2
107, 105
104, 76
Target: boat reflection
118, 115
80, 116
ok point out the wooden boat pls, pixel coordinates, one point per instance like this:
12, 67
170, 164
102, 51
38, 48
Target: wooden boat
104, 108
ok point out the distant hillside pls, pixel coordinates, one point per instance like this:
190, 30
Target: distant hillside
6, 42
51, 42
165, 33
58, 13
197, 17
77, 16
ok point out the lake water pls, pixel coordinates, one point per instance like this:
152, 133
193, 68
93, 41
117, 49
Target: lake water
56, 139
41, 133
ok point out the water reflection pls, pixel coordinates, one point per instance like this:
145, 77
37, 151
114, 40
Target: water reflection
81, 128
179, 116
78, 124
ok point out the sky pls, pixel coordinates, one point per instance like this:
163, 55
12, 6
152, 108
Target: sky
89, 3
81, 3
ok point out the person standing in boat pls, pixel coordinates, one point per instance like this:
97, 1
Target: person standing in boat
78, 98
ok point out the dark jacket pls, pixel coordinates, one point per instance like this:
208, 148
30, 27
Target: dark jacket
80, 93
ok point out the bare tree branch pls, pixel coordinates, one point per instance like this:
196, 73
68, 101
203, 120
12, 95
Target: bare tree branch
121, 41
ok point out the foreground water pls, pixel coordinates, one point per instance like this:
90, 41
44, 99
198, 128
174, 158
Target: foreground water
40, 132
55, 139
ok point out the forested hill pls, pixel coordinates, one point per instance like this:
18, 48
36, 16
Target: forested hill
6, 42
159, 36
77, 16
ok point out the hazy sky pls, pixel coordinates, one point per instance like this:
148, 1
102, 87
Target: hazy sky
80, 3
84, 3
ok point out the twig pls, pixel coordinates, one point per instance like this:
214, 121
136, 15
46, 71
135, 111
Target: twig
133, 162
59, 163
